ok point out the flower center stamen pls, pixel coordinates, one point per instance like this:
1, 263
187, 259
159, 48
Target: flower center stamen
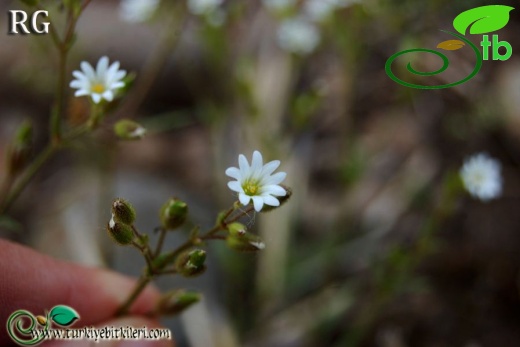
251, 187
98, 88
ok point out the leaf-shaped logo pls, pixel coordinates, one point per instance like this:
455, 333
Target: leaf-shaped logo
483, 19
63, 315
451, 45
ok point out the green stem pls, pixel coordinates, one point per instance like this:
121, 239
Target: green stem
170, 258
141, 285
57, 113
160, 243
33, 168
145, 251
27, 177
248, 209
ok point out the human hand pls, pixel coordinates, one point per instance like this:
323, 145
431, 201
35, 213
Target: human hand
36, 283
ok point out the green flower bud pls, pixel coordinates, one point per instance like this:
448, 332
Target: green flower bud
121, 233
173, 214
123, 211
191, 263
177, 301
19, 150
241, 240
237, 229
281, 199
127, 129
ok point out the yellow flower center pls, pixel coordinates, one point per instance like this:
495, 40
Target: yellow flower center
251, 187
98, 88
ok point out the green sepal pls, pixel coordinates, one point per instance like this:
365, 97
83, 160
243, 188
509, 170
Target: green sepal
123, 211
173, 214
121, 233
177, 301
191, 263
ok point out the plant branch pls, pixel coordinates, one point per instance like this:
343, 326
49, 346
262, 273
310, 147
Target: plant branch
125, 307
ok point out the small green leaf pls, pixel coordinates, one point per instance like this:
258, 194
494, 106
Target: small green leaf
63, 315
483, 19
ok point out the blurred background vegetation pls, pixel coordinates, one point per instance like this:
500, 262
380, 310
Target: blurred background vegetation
371, 250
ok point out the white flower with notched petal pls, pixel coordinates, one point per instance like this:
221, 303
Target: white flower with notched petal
298, 35
100, 83
256, 182
481, 176
136, 11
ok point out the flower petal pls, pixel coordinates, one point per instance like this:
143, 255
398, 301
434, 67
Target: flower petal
235, 186
108, 95
273, 190
256, 164
270, 200
275, 179
269, 168
77, 84
112, 69
119, 75
102, 67
81, 92
258, 203
79, 75
245, 170
233, 172
244, 199
88, 70
96, 98
116, 85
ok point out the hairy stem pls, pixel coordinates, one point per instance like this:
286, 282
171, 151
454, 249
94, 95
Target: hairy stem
141, 285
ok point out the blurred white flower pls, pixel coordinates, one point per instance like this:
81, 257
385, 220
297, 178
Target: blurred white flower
278, 5
256, 182
481, 176
100, 83
199, 7
298, 35
135, 11
318, 10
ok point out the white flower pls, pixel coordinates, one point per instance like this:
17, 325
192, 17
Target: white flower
278, 5
318, 10
298, 35
256, 182
135, 11
481, 176
100, 83
198, 7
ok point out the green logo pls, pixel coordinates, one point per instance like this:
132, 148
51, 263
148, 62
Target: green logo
479, 20
22, 325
